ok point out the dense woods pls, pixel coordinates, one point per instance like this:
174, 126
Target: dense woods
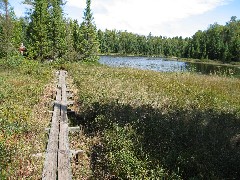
47, 33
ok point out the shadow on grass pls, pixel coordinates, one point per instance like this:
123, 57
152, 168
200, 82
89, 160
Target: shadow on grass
193, 144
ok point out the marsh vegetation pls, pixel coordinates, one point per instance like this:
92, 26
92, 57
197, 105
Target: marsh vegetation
155, 125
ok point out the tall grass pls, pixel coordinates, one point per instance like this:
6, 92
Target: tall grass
159, 125
21, 86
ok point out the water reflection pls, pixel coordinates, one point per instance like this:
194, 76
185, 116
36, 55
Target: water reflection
166, 65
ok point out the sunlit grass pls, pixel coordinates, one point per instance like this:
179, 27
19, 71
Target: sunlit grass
137, 87
21, 87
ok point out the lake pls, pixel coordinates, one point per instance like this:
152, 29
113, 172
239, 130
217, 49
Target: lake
168, 65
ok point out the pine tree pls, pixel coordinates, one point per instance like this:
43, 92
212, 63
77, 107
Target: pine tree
19, 32
89, 45
57, 29
71, 53
6, 26
38, 31
75, 29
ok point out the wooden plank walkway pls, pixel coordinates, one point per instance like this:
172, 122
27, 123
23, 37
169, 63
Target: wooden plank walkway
57, 160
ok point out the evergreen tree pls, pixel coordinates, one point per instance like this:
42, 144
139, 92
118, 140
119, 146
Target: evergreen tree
6, 29
57, 29
150, 44
101, 41
75, 29
19, 32
70, 54
40, 44
89, 45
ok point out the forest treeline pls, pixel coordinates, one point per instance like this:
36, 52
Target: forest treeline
218, 42
49, 35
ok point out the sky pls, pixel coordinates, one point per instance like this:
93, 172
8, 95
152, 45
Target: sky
160, 17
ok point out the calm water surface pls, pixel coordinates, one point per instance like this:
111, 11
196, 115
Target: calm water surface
166, 65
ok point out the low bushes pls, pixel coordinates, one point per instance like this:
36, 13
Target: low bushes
159, 125
151, 125
21, 85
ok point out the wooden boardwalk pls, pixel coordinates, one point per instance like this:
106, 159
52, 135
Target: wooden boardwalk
57, 160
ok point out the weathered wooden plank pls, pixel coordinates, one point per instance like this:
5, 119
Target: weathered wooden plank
57, 161
64, 170
76, 152
74, 129
50, 164
70, 102
70, 96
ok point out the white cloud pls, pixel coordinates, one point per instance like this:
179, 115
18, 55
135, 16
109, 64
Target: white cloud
144, 16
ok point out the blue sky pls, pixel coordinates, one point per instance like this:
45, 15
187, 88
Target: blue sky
160, 17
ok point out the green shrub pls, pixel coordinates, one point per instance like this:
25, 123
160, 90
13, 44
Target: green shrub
21, 85
184, 124
11, 62
124, 158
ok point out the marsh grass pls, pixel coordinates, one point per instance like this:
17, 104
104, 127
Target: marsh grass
21, 121
159, 125
135, 124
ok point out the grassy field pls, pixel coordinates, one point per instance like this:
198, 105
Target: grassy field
155, 125
23, 117
135, 124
